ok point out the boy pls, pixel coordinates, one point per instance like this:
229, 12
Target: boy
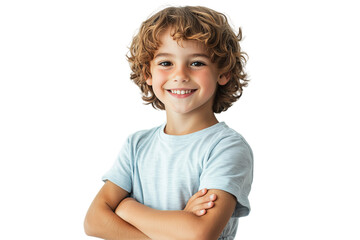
186, 61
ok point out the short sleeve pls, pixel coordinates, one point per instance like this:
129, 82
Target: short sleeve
230, 168
121, 171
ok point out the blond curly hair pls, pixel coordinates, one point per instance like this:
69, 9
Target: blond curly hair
191, 23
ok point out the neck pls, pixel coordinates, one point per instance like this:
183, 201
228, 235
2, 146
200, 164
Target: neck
181, 124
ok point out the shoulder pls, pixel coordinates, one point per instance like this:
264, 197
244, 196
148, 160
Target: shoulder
141, 137
228, 138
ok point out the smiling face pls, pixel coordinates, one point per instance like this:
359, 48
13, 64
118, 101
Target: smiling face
183, 77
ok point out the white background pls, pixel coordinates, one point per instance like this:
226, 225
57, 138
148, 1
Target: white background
67, 105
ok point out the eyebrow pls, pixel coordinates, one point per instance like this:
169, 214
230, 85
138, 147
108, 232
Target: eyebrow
171, 55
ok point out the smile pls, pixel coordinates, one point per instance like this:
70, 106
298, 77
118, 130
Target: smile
181, 92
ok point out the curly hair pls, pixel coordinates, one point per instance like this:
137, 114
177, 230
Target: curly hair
191, 23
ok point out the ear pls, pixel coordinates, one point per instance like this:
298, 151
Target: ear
224, 78
149, 81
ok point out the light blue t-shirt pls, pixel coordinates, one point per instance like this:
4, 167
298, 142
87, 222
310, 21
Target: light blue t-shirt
163, 171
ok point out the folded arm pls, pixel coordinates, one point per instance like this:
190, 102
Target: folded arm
179, 224
101, 220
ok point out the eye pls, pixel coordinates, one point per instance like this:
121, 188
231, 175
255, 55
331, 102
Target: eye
197, 64
165, 64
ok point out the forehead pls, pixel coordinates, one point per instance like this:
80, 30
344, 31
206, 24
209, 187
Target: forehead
168, 42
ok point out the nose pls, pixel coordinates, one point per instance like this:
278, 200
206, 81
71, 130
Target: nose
181, 74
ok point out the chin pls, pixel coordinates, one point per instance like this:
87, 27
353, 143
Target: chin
182, 110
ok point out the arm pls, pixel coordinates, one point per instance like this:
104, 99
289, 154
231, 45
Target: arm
179, 224
102, 222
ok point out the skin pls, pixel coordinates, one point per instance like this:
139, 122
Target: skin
176, 67
159, 224
200, 202
102, 221
185, 67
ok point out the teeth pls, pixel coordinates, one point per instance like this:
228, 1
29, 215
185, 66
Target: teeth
180, 92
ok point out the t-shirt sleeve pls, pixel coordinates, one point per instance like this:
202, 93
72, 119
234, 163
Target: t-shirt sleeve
121, 171
230, 168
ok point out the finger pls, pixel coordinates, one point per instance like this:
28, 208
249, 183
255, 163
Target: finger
202, 192
208, 205
213, 197
203, 200
200, 212
199, 194
204, 206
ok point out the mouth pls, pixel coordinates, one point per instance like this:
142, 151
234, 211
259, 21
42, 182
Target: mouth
181, 91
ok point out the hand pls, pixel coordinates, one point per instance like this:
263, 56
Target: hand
200, 202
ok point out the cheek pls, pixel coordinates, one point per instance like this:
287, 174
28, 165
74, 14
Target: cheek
159, 77
207, 81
